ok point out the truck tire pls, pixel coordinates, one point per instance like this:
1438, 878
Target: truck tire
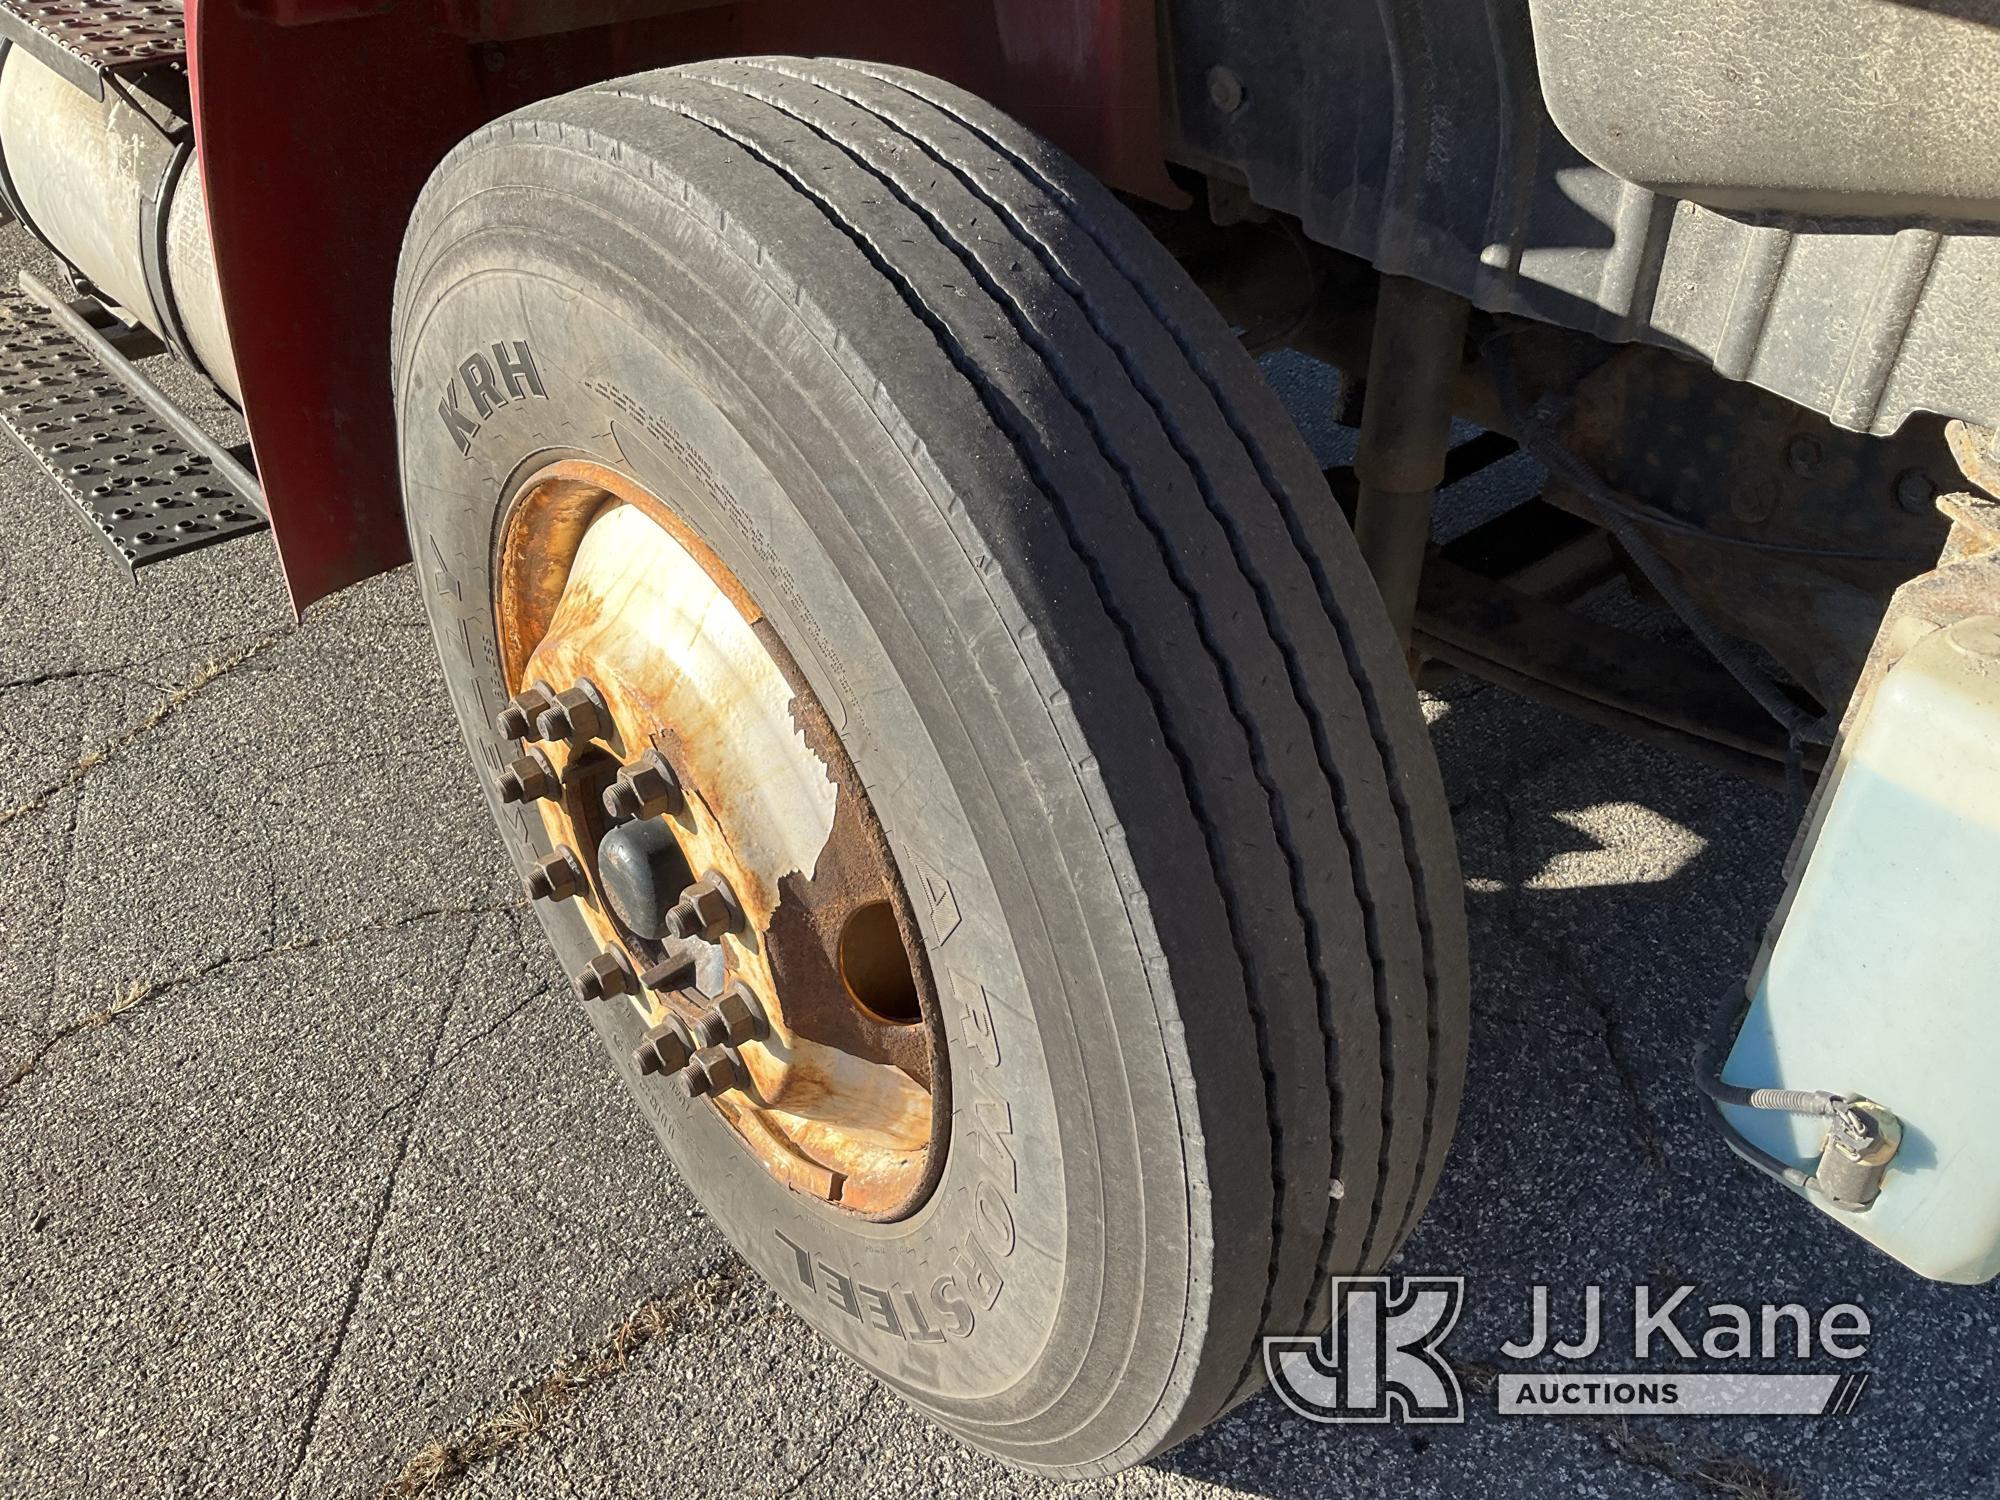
897, 390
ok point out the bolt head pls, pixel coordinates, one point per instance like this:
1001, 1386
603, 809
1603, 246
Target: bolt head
606, 975
665, 1050
714, 905
527, 779
621, 803
518, 719
710, 1071
555, 878
1916, 491
734, 1019
1802, 455
648, 788
1225, 90
577, 713
1754, 498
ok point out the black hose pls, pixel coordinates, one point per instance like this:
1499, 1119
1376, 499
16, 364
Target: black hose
1817, 1103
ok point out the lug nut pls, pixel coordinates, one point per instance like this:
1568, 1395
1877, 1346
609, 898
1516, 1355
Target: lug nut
707, 909
528, 779
517, 720
556, 878
648, 788
576, 713
605, 976
710, 1071
665, 1050
733, 1020
670, 974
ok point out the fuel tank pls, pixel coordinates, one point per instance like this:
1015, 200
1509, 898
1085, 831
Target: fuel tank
114, 187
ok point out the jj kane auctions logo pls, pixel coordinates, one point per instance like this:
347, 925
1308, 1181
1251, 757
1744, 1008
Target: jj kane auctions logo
1381, 1360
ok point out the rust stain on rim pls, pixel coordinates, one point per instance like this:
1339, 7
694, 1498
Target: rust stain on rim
847, 1098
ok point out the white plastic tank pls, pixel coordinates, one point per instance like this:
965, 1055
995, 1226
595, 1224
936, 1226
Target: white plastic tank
1883, 980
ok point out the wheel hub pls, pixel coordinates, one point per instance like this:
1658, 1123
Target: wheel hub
641, 871
730, 856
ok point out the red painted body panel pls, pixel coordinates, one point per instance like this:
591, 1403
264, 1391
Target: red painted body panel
314, 143
318, 121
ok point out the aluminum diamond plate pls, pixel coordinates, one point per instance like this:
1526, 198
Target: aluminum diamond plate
85, 39
145, 495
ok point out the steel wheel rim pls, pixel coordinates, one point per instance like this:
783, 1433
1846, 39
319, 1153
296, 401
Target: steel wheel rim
844, 1098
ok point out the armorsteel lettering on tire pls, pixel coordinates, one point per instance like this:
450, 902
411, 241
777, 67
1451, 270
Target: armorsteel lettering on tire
975, 1277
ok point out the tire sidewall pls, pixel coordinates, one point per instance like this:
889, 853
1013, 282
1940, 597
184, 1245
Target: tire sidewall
962, 1305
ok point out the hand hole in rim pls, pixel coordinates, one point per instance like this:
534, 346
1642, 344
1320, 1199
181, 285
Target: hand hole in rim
875, 966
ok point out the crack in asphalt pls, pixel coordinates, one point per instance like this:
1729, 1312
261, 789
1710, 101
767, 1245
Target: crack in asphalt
365, 1258
830, 1446
144, 992
1710, 1472
168, 706
438, 1065
115, 668
68, 861
530, 1406
1560, 959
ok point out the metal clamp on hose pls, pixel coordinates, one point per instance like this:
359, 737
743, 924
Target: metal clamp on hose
1861, 1139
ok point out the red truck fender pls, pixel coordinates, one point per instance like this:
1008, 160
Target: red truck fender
318, 121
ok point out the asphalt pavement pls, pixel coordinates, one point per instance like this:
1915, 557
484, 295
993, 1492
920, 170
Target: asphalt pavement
314, 1183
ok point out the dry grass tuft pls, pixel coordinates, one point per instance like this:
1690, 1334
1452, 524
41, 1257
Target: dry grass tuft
442, 1461
164, 710
1713, 1474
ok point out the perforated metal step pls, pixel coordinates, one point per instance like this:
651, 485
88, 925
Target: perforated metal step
85, 39
146, 495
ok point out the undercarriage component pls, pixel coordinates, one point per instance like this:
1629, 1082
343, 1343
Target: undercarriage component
1414, 136
1413, 366
150, 484
1785, 529
111, 184
1671, 695
1494, 603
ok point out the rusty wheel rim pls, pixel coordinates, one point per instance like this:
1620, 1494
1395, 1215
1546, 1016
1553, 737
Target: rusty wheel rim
843, 1093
